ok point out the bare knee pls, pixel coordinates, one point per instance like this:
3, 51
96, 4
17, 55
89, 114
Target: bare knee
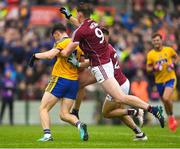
165, 99
63, 116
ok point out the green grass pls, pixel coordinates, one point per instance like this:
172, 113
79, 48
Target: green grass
100, 137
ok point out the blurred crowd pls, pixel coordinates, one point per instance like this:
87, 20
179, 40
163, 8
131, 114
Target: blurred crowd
131, 26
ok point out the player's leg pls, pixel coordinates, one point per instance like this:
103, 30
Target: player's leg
85, 78
68, 100
111, 86
11, 108
168, 104
139, 135
112, 109
167, 100
66, 105
118, 111
80, 96
66, 116
3, 106
47, 102
53, 92
105, 75
110, 106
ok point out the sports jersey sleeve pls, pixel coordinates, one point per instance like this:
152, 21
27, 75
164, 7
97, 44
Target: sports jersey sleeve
77, 35
60, 46
172, 52
149, 59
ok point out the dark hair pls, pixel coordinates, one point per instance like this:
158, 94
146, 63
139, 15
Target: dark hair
85, 9
105, 31
58, 26
156, 35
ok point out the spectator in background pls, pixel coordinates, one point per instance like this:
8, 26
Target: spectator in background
3, 14
13, 2
130, 34
24, 14
7, 90
139, 86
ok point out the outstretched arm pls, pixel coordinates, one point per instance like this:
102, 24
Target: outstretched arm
44, 55
47, 55
69, 16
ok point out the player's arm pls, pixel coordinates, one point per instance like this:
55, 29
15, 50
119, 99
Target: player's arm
48, 54
43, 55
149, 67
69, 49
152, 68
175, 59
149, 64
69, 16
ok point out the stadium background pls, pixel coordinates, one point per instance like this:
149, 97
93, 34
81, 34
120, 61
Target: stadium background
25, 29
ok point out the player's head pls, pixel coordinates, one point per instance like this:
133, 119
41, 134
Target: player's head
157, 41
106, 33
83, 11
58, 30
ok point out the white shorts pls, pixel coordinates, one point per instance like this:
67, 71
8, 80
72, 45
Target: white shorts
125, 88
103, 72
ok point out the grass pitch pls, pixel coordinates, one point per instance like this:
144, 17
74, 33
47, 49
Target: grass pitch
100, 137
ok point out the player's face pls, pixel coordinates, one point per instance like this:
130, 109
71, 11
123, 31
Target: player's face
56, 35
157, 42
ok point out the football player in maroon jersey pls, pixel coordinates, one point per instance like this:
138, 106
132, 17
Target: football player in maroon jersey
91, 40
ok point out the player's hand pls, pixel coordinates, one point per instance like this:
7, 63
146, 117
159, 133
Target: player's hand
65, 12
73, 60
170, 67
31, 60
158, 67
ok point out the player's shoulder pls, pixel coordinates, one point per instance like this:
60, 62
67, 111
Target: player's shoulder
86, 25
79, 31
65, 40
167, 48
62, 43
150, 52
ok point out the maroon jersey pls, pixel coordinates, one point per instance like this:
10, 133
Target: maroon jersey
91, 41
120, 77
